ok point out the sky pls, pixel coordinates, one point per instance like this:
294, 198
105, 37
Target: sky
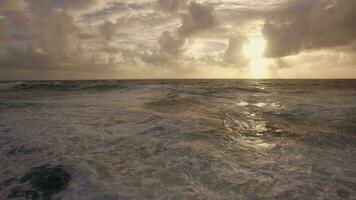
134, 39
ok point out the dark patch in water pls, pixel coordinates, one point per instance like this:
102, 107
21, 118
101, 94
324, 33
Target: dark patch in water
69, 85
19, 104
20, 193
45, 181
22, 150
343, 194
10, 181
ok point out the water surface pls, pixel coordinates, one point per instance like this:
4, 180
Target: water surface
179, 139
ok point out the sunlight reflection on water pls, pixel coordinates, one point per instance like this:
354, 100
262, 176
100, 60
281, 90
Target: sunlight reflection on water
242, 103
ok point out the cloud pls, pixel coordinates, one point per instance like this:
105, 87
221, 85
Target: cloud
198, 18
284, 40
59, 36
86, 36
6, 5
45, 36
47, 41
234, 54
171, 48
181, 36
107, 30
155, 59
171, 5
310, 25
46, 6
280, 63
75, 4
2, 29
170, 45
26, 59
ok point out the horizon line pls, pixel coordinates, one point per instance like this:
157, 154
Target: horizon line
177, 79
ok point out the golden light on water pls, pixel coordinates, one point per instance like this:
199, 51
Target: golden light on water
254, 50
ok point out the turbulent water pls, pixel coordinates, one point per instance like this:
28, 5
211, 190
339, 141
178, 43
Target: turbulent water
186, 139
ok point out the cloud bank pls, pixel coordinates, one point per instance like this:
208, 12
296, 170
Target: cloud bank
308, 25
172, 38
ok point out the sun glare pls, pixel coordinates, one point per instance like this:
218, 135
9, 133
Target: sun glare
258, 68
254, 49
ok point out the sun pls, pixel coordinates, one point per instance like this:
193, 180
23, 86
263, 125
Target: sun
254, 49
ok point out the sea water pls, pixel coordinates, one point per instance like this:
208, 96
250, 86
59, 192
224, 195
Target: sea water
178, 139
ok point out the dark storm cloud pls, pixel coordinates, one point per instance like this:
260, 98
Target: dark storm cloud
307, 25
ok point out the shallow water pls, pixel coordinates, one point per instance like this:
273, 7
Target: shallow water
187, 139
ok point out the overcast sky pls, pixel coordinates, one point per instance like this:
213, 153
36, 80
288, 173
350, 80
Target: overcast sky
98, 39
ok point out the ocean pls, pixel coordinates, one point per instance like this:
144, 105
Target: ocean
178, 139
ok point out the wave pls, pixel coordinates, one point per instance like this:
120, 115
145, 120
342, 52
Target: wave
175, 100
63, 85
173, 139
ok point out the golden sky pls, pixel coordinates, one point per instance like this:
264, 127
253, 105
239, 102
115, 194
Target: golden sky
99, 39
